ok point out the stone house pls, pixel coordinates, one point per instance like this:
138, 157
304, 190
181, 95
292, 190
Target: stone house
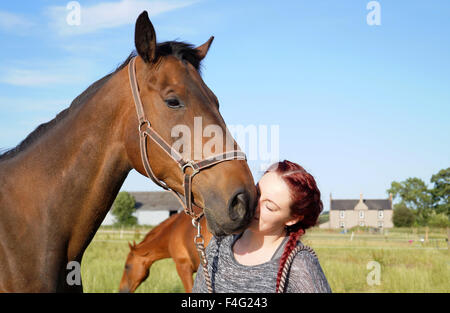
348, 213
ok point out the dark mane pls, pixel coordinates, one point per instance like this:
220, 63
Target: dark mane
181, 50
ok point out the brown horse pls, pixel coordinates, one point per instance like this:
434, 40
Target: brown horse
173, 238
57, 185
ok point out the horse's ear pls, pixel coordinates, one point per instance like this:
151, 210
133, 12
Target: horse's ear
129, 245
145, 38
203, 49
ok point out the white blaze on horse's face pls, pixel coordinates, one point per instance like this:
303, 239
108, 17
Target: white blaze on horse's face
178, 102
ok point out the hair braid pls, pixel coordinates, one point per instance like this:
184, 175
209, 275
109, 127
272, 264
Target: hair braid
290, 245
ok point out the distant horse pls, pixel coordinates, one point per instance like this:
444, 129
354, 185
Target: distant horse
58, 184
173, 238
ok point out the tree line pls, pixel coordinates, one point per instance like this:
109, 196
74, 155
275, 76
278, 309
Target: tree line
421, 205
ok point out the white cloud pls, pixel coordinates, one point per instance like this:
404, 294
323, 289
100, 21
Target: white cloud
13, 22
109, 14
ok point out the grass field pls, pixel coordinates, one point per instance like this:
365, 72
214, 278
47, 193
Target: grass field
407, 263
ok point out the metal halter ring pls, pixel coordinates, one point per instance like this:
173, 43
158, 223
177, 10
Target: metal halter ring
190, 164
142, 123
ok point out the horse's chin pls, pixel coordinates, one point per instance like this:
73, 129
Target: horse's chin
213, 226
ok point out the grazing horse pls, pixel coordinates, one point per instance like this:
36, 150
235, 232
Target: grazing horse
58, 184
173, 238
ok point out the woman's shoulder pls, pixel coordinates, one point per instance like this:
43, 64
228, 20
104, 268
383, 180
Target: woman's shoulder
305, 256
305, 250
306, 274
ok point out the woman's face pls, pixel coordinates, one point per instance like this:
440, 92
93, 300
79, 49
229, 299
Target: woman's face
273, 211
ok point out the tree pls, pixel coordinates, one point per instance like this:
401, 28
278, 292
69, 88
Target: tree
441, 191
402, 217
415, 195
123, 208
324, 217
439, 220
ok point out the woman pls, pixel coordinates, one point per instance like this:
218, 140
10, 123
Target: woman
253, 261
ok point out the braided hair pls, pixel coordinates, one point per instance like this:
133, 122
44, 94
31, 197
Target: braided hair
305, 201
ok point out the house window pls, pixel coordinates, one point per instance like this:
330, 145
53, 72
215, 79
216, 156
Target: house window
361, 214
342, 214
342, 225
380, 213
361, 224
380, 224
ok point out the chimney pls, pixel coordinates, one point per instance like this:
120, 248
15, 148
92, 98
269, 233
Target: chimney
360, 197
390, 199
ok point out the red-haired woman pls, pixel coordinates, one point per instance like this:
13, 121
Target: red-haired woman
255, 260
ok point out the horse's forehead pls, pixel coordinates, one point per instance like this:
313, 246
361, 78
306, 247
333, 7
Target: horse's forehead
173, 70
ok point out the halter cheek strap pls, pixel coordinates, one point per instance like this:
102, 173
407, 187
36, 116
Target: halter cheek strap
147, 131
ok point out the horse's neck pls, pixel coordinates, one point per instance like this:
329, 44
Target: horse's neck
77, 168
158, 240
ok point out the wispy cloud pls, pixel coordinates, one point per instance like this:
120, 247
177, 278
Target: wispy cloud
106, 15
32, 78
13, 22
46, 73
32, 104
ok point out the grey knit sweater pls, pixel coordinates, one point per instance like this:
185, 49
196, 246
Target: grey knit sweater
227, 275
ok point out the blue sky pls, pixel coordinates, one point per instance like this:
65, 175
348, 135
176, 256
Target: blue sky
358, 106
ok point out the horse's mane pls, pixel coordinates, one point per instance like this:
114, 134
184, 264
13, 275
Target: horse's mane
181, 50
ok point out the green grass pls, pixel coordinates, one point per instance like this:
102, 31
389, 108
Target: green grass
405, 266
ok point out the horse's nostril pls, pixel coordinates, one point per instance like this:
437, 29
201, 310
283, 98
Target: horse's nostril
238, 206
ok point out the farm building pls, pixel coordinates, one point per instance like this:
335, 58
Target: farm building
152, 207
348, 213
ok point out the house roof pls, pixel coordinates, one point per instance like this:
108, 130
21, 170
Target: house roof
349, 204
156, 201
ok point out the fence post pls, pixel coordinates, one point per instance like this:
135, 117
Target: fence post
426, 234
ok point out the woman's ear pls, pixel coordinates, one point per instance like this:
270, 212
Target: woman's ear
294, 220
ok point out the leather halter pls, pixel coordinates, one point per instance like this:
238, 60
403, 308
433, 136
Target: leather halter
146, 130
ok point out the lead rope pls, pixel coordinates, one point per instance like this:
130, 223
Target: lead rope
288, 263
199, 242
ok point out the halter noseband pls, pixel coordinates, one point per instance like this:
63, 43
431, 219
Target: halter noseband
146, 130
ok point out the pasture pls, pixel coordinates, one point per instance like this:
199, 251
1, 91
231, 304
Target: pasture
407, 263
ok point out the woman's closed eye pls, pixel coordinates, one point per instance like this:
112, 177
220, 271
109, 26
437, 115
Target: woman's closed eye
269, 207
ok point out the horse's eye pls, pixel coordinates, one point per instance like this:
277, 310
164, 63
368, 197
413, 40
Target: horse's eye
173, 103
